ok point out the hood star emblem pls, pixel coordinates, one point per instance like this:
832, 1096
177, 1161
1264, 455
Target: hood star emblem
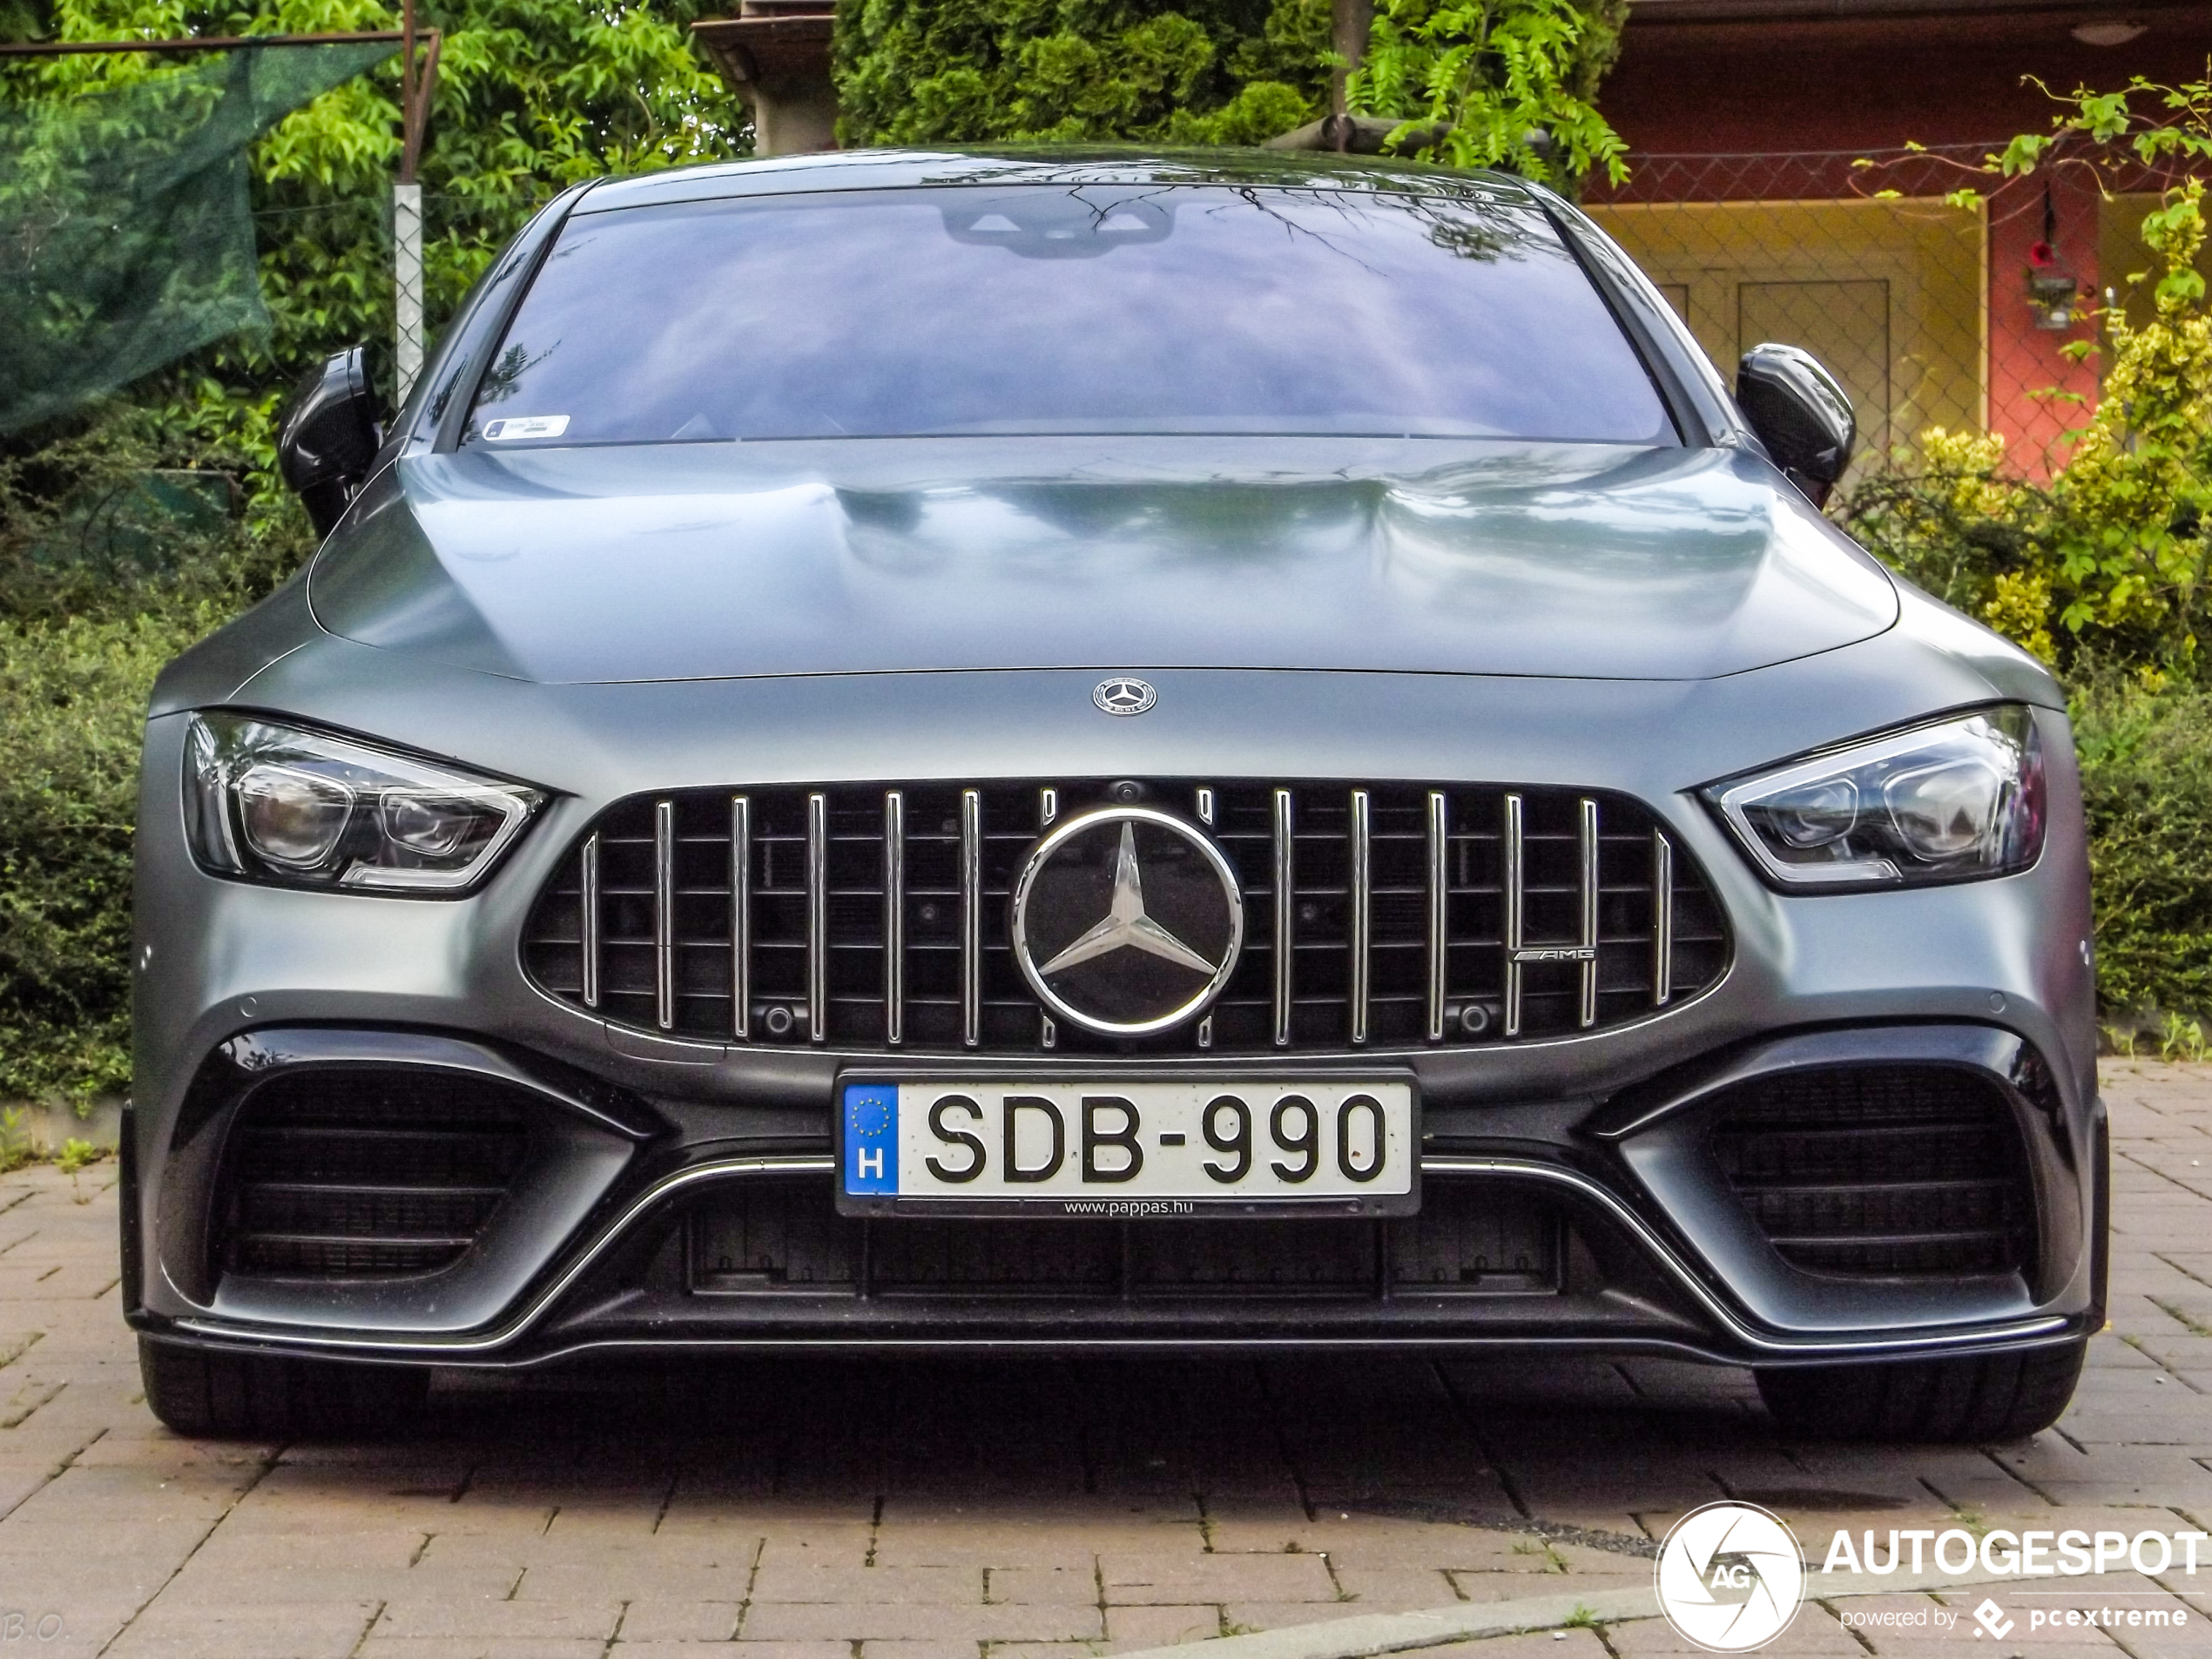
1126, 927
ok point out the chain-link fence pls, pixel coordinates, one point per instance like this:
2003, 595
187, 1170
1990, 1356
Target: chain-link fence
1930, 314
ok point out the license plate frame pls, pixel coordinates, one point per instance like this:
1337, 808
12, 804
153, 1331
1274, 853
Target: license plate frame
1261, 1089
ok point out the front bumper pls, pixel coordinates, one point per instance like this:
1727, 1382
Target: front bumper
597, 1247
637, 1136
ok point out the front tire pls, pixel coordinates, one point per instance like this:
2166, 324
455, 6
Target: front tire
1972, 1400
218, 1396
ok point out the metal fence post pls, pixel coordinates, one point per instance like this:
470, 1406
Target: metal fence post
407, 271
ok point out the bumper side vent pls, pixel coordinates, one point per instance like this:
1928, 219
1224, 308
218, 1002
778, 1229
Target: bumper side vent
359, 1175
1880, 1171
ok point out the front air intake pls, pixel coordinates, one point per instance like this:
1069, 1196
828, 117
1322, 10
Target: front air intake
364, 1174
1880, 1171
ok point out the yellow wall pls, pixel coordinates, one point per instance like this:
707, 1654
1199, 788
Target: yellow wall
1888, 294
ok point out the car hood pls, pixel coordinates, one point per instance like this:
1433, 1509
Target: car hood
707, 561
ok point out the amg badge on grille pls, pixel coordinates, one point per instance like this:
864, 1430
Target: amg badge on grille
1127, 921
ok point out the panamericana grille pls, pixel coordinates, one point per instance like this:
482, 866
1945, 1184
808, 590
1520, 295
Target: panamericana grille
876, 917
785, 1236
365, 1175
1878, 1171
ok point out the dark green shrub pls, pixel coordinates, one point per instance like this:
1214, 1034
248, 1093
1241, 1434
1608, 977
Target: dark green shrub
1193, 71
2146, 784
111, 563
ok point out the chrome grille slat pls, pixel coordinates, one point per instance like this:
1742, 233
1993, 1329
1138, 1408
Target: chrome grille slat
587, 921
1590, 896
1285, 888
818, 917
894, 917
875, 917
740, 917
971, 918
1440, 901
1516, 899
1362, 896
664, 914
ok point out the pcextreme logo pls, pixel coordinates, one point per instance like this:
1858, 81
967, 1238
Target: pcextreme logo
1730, 1577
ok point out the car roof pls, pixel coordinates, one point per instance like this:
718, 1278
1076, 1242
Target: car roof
847, 170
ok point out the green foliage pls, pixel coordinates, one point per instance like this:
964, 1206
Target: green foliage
532, 95
77, 1155
965, 71
108, 568
2146, 787
1485, 74
2108, 558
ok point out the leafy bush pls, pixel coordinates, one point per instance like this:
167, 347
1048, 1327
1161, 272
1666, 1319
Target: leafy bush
2146, 785
109, 566
1229, 71
969, 71
1486, 75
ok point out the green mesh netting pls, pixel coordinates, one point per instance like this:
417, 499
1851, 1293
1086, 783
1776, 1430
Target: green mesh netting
126, 233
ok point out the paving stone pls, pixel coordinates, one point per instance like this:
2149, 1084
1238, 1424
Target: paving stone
1555, 1644
1160, 1626
908, 1620
246, 1632
667, 1618
1060, 1586
444, 1617
1162, 1578
782, 1580
383, 1647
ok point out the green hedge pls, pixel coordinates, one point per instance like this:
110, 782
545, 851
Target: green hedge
2146, 787
101, 582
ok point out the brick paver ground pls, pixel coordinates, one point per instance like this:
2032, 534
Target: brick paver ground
866, 1510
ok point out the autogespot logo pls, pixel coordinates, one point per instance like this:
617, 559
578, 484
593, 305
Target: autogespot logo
1730, 1577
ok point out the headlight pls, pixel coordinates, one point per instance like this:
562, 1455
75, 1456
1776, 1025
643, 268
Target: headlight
280, 803
1948, 802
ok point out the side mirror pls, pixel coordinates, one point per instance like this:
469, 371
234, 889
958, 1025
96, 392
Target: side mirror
327, 436
1801, 415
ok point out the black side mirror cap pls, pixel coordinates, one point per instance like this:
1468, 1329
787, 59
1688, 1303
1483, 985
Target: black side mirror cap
1801, 413
327, 435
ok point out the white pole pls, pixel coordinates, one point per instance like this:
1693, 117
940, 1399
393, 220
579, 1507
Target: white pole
407, 270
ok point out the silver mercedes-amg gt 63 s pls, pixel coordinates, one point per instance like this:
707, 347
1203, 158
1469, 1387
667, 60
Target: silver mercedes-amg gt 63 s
1028, 751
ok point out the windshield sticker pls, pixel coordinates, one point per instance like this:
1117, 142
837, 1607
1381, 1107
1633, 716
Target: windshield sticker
526, 426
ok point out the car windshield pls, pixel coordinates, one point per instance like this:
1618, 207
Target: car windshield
1039, 309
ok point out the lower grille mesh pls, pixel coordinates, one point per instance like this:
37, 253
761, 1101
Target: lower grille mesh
348, 1175
1880, 1171
785, 1236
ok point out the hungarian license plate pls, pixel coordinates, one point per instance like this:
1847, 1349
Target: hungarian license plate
1128, 1148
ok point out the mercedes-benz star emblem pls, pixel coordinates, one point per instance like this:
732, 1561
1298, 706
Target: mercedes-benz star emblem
1127, 921
1122, 695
